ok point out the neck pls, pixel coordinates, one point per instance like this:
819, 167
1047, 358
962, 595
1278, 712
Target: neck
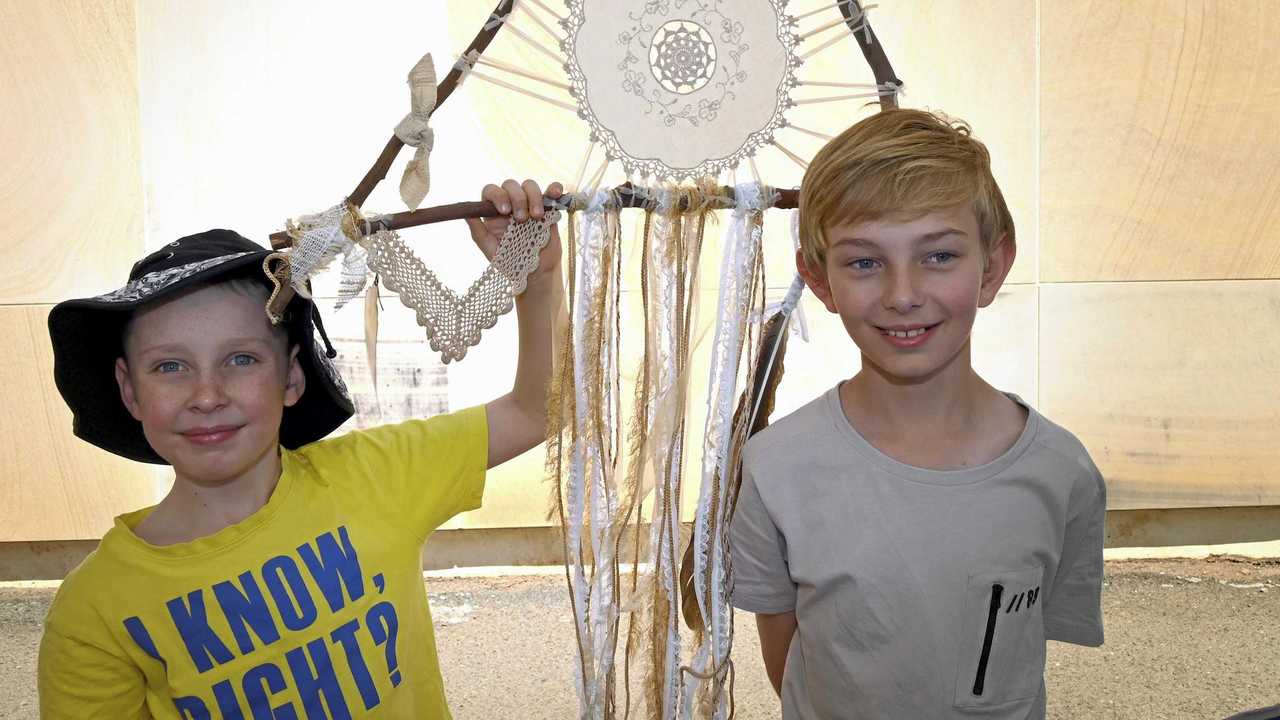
948, 397
211, 508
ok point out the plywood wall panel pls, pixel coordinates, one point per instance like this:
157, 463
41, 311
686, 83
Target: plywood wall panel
976, 60
55, 486
1171, 386
70, 184
1159, 151
1004, 341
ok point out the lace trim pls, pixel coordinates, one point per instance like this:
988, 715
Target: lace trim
668, 96
454, 324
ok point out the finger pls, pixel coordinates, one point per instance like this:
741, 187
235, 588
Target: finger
497, 196
555, 190
487, 234
476, 226
515, 196
533, 196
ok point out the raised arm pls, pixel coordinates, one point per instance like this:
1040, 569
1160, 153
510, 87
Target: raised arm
517, 420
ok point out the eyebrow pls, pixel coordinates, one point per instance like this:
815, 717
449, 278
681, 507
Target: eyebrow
176, 347
920, 239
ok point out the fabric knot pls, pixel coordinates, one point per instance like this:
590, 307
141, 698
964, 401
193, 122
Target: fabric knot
495, 20
753, 197
666, 199
464, 65
414, 131
598, 201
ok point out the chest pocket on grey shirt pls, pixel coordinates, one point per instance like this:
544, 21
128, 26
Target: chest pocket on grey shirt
1002, 642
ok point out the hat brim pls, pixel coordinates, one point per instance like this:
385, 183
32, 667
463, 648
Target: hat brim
86, 335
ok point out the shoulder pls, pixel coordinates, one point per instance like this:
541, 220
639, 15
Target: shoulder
789, 441
1068, 455
74, 610
437, 433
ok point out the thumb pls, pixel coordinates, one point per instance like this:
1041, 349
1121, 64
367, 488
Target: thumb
476, 226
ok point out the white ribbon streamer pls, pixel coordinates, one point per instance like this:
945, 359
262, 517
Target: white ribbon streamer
591, 496
741, 249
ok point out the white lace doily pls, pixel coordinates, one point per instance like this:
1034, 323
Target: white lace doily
680, 89
454, 323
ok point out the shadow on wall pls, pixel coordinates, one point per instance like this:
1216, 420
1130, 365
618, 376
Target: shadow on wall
1192, 526
1268, 713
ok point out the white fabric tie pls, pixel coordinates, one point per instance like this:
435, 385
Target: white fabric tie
414, 131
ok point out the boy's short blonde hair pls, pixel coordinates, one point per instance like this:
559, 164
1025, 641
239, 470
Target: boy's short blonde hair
899, 163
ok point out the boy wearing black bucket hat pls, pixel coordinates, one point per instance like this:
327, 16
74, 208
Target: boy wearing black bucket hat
281, 575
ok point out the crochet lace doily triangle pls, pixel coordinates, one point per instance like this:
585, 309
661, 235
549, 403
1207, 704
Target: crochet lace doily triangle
454, 323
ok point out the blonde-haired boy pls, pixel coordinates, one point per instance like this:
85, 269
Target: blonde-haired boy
910, 539
281, 576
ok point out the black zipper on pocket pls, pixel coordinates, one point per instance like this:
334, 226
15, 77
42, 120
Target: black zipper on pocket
992, 613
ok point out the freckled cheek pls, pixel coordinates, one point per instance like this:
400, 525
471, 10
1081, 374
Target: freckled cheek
160, 401
259, 394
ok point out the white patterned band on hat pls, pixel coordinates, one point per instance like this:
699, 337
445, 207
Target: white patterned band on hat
154, 282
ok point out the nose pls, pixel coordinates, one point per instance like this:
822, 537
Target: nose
208, 393
902, 291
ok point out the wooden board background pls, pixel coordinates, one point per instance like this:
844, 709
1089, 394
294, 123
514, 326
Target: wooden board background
1172, 387
70, 184
1158, 149
1134, 142
71, 213
54, 486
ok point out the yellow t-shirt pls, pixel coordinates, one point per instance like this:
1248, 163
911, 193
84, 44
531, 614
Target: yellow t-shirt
313, 607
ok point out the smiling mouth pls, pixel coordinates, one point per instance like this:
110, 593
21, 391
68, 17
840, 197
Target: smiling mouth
211, 435
908, 334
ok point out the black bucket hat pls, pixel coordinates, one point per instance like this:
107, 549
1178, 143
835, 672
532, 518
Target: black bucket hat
87, 338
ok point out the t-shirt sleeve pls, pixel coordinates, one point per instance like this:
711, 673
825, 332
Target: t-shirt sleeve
419, 473
761, 580
77, 679
1074, 612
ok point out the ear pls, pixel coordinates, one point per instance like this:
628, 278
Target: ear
128, 395
295, 382
999, 262
816, 278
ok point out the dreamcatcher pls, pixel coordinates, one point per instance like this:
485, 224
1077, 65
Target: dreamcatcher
670, 91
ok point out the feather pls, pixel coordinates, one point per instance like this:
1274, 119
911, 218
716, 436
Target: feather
758, 398
371, 338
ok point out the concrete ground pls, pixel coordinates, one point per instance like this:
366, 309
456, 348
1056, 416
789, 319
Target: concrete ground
1192, 639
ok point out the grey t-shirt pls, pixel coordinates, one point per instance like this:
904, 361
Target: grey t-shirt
918, 593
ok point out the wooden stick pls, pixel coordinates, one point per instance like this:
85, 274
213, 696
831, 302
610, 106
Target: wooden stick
814, 133
499, 65
871, 50
443, 90
854, 18
516, 88
794, 157
841, 98
542, 24
829, 43
531, 42
822, 29
627, 197
549, 11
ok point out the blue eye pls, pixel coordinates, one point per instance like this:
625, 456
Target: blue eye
941, 257
168, 366
243, 360
862, 264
